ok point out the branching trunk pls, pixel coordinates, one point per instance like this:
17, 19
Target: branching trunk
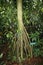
23, 39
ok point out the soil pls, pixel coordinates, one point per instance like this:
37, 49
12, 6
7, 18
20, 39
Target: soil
30, 61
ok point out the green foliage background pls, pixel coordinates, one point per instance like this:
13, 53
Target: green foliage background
33, 22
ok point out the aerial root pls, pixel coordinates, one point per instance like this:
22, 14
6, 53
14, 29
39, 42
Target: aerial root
22, 43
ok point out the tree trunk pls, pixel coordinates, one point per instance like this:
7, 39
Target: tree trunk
22, 34
20, 24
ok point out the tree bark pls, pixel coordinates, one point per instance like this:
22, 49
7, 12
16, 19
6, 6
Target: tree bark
20, 24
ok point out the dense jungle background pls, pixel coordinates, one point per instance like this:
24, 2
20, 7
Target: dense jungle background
21, 32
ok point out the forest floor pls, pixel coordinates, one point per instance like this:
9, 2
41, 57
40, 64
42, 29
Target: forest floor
30, 61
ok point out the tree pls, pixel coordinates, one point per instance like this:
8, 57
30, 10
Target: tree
23, 39
21, 23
